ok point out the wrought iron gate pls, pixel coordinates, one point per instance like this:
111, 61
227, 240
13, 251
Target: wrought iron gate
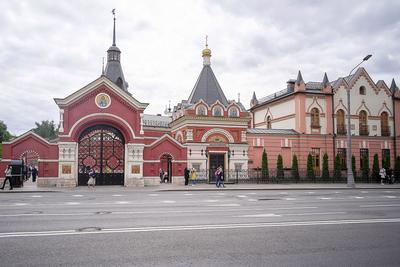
101, 148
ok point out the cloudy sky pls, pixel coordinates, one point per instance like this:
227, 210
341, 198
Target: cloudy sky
49, 49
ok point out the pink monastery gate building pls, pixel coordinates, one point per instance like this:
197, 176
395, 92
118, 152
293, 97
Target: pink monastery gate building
104, 127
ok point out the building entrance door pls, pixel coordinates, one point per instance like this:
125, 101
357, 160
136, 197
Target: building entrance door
216, 160
101, 148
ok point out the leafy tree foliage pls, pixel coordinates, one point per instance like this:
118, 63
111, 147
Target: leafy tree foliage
46, 129
365, 167
397, 168
4, 133
353, 165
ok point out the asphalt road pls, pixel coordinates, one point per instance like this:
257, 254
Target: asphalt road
202, 228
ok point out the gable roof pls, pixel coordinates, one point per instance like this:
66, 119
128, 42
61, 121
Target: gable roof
207, 88
102, 80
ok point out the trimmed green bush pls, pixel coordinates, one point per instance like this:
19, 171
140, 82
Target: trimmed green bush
337, 168
279, 167
264, 165
325, 168
353, 165
397, 168
295, 169
310, 168
365, 168
375, 168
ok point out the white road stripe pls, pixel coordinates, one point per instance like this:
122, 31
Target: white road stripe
211, 200
310, 192
122, 202
290, 198
390, 196
314, 213
225, 205
364, 192
117, 195
258, 215
169, 201
77, 195
380, 205
36, 196
152, 195
72, 203
358, 197
199, 227
325, 198
252, 199
241, 196
188, 194
20, 204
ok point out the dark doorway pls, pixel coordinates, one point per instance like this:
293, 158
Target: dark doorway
166, 165
216, 160
101, 147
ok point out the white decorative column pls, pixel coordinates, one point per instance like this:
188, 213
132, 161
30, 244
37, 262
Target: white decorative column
61, 128
141, 123
134, 165
67, 164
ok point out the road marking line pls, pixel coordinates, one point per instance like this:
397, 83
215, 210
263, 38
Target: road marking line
211, 200
152, 195
169, 201
388, 191
221, 194
188, 194
241, 196
36, 196
283, 193
390, 196
77, 195
364, 192
314, 213
252, 199
258, 215
380, 205
359, 197
72, 203
117, 195
199, 227
290, 198
252, 193
122, 202
325, 198
225, 205
310, 192
20, 204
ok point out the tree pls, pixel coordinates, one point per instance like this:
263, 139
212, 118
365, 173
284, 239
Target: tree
386, 161
397, 168
4, 136
279, 167
375, 168
310, 168
46, 129
295, 168
353, 165
365, 167
337, 174
325, 168
4, 133
264, 165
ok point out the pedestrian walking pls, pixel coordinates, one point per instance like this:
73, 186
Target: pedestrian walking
8, 173
92, 177
34, 173
193, 176
161, 172
187, 174
221, 177
382, 174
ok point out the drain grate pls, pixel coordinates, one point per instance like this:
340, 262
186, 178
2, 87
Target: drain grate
89, 229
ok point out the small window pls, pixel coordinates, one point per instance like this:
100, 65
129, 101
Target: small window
217, 111
362, 90
233, 112
201, 110
269, 123
315, 118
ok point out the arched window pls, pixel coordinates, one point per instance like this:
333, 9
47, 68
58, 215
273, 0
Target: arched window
362, 90
315, 118
340, 124
269, 124
201, 110
217, 111
363, 124
233, 112
385, 124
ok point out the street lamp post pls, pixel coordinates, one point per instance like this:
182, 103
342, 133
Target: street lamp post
350, 176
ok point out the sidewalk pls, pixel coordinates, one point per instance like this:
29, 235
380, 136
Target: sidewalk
30, 187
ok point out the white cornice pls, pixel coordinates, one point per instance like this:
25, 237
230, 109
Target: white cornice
27, 134
102, 80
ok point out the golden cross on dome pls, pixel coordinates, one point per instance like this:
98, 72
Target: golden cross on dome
206, 40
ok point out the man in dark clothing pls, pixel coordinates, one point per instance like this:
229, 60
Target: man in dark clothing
187, 173
8, 177
34, 174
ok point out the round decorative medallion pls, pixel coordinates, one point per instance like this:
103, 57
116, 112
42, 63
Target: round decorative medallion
103, 100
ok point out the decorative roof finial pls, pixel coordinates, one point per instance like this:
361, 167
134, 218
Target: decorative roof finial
206, 40
206, 53
113, 12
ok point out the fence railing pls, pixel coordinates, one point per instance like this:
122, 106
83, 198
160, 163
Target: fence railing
257, 176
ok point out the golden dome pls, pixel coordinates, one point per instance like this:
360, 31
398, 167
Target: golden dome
206, 52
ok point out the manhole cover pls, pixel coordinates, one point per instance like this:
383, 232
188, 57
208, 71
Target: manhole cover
89, 229
103, 212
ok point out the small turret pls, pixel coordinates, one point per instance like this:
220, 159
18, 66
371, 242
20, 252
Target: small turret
254, 100
299, 85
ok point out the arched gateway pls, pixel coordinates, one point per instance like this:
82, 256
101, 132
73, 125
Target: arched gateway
101, 147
